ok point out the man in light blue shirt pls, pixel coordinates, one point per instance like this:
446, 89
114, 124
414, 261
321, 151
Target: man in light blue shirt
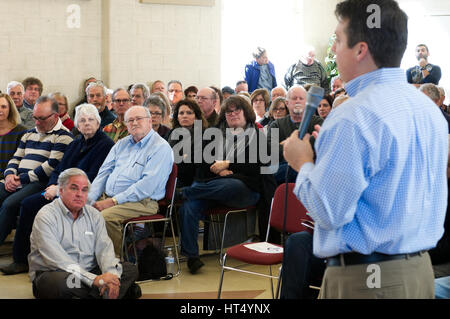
377, 191
134, 175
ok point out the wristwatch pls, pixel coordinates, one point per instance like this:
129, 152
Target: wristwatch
114, 201
427, 67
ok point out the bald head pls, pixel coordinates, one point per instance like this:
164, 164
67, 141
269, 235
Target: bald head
296, 100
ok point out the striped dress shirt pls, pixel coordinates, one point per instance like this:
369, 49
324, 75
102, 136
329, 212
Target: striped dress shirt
379, 181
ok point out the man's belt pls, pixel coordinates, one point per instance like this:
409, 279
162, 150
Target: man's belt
356, 258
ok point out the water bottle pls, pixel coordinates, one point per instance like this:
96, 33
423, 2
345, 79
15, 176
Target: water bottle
170, 261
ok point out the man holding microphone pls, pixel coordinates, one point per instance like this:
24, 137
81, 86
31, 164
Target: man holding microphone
377, 190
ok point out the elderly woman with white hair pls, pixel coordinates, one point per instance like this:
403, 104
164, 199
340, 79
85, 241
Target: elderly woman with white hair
86, 152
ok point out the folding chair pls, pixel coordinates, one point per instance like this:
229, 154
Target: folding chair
215, 223
295, 213
168, 203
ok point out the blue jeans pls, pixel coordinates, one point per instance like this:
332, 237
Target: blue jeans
201, 196
29, 208
442, 288
300, 267
10, 206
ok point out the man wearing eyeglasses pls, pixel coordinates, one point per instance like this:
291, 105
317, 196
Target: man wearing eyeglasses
33, 90
206, 99
121, 103
175, 92
134, 175
40, 151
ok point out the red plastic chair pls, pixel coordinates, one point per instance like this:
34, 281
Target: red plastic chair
168, 203
295, 214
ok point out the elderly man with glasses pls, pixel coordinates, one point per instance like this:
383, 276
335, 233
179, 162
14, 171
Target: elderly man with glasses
39, 153
121, 103
133, 176
206, 99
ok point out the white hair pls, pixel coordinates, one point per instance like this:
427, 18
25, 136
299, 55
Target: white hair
12, 85
86, 109
64, 177
147, 111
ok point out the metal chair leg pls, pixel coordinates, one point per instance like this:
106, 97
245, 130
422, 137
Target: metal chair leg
271, 281
221, 276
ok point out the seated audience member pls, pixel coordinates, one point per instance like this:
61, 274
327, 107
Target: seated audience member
158, 86
442, 100
278, 109
279, 91
16, 91
96, 95
184, 115
175, 92
241, 86
336, 84
324, 107
83, 100
296, 100
225, 182
432, 91
109, 94
39, 153
139, 92
219, 99
121, 103
167, 121
33, 90
260, 73
206, 99
133, 176
157, 110
87, 152
300, 267
69, 238
63, 106
11, 131
260, 102
191, 92
227, 92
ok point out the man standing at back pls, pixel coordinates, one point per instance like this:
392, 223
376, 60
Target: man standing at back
424, 72
377, 190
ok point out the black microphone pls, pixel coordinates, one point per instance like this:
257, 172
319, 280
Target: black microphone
315, 95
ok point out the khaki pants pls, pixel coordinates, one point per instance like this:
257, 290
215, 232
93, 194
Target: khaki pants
410, 278
114, 216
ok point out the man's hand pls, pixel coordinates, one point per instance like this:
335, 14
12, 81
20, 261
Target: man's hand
422, 63
219, 166
110, 282
50, 192
104, 204
12, 182
297, 152
225, 172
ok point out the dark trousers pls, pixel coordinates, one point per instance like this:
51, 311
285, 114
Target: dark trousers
10, 206
300, 267
29, 208
53, 284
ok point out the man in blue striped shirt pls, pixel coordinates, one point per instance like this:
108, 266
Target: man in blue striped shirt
39, 152
377, 191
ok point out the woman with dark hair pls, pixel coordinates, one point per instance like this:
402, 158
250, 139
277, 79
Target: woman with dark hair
228, 181
185, 113
325, 106
191, 92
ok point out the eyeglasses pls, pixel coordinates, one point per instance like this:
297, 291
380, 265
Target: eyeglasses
235, 112
42, 119
155, 113
259, 100
122, 101
84, 120
176, 91
279, 109
202, 98
137, 119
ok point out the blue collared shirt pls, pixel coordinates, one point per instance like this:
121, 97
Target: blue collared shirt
379, 181
134, 171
